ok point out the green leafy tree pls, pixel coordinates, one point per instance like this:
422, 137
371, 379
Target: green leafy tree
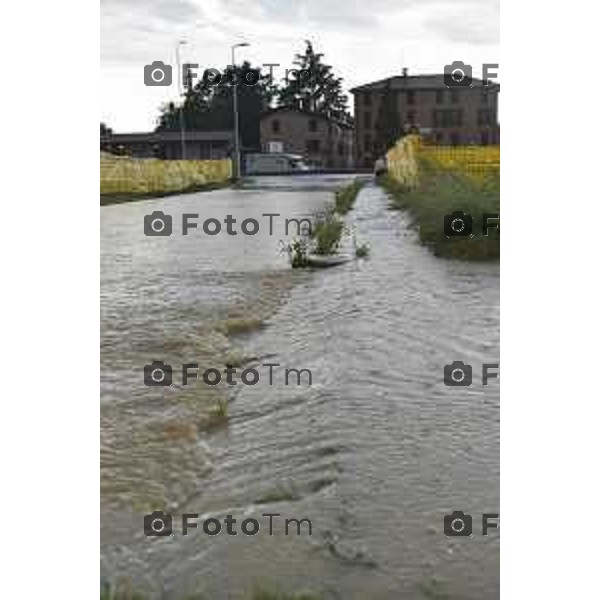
208, 105
105, 130
314, 87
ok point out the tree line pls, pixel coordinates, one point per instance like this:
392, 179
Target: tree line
209, 107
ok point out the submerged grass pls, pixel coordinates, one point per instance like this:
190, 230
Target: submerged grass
240, 325
268, 595
219, 413
362, 251
327, 235
441, 193
433, 589
108, 593
345, 197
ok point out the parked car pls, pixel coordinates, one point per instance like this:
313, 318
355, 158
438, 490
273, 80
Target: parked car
275, 164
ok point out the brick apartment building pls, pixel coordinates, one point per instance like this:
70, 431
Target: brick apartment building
323, 142
448, 116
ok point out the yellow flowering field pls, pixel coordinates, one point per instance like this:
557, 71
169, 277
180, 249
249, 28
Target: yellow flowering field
474, 161
123, 175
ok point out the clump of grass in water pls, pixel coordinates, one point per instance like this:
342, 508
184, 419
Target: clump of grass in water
239, 325
278, 495
345, 197
327, 235
220, 411
433, 589
298, 254
122, 591
362, 251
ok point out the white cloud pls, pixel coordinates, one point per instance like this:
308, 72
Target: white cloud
362, 40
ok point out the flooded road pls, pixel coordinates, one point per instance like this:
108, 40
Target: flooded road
375, 452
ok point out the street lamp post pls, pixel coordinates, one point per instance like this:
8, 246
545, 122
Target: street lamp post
236, 117
181, 83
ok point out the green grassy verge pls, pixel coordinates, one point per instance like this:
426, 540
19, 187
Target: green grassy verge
345, 197
327, 233
442, 193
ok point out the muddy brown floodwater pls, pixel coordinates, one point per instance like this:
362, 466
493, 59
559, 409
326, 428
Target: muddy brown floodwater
375, 452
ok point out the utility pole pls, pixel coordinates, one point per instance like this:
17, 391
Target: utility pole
181, 92
236, 117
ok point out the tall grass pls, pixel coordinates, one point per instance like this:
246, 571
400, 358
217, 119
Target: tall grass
440, 193
328, 234
325, 236
345, 197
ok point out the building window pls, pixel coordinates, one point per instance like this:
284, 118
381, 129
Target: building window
340, 149
313, 125
485, 117
454, 97
367, 98
313, 146
367, 120
410, 118
439, 96
447, 118
367, 143
276, 126
455, 138
410, 97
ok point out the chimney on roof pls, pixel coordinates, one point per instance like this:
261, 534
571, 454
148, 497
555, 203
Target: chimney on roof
404, 72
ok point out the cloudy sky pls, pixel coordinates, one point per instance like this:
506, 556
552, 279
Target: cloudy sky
364, 40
